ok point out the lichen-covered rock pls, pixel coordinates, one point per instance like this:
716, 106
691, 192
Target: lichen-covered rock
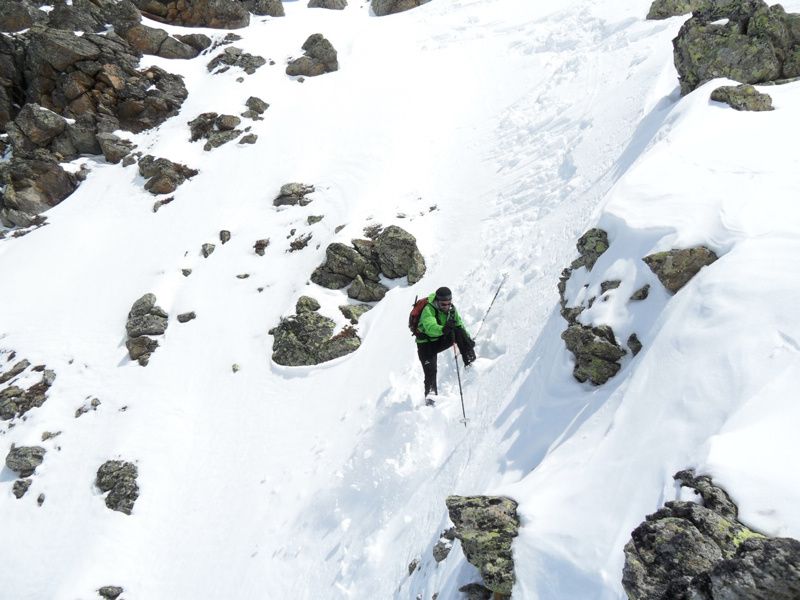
642, 293
486, 526
292, 194
596, 352
329, 4
389, 7
255, 108
145, 318
118, 478
664, 9
706, 50
24, 459
306, 304
217, 14
475, 591
354, 311
591, 245
742, 97
366, 291
216, 129
21, 487
342, 265
398, 255
702, 552
675, 268
320, 57
163, 176
16, 401
307, 339
235, 57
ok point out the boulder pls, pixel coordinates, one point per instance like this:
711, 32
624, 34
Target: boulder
17, 368
306, 339
32, 186
642, 293
113, 147
441, 550
486, 526
24, 459
398, 255
320, 57
702, 552
329, 4
591, 245
706, 50
475, 591
366, 291
20, 487
145, 318
118, 478
742, 97
217, 14
34, 127
664, 9
634, 344
354, 311
269, 8
110, 592
388, 7
198, 41
342, 265
150, 40
255, 108
186, 317
235, 57
164, 176
292, 194
19, 15
306, 304
676, 267
596, 352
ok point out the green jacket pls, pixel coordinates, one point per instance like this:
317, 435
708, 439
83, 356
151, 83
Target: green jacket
432, 321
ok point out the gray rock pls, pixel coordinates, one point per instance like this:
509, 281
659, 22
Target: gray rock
475, 591
347, 262
742, 97
261, 246
329, 4
21, 487
235, 57
388, 7
354, 311
675, 268
145, 318
256, 106
702, 552
34, 127
31, 187
141, 348
118, 478
186, 317
306, 339
40, 499
143, 305
441, 550
609, 285
706, 50
15, 370
413, 565
224, 236
641, 293
306, 304
366, 291
146, 325
320, 57
664, 9
110, 592
596, 352
634, 344
198, 41
17, 16
164, 176
186, 272
250, 138
207, 250
398, 254
486, 526
114, 148
292, 194
216, 14
591, 245
314, 219
24, 459
269, 8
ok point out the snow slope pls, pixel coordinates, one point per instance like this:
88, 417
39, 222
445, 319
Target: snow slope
524, 125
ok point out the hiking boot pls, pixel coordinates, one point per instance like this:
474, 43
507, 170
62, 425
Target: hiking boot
430, 401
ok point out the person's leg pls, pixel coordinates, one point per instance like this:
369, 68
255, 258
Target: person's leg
427, 356
465, 346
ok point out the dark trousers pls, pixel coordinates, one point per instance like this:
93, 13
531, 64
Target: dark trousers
428, 351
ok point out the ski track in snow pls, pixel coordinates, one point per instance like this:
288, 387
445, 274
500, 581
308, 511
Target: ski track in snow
524, 125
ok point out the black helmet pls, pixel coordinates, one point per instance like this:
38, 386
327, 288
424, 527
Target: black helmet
444, 293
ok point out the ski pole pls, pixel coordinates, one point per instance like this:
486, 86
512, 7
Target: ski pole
491, 305
460, 391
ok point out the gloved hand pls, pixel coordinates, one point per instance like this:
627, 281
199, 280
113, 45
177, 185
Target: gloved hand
450, 325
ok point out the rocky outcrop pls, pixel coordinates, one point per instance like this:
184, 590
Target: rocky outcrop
292, 194
745, 40
217, 14
23, 460
216, 129
306, 338
77, 15
31, 187
675, 268
742, 97
149, 40
664, 9
144, 319
486, 526
235, 57
702, 552
397, 254
320, 57
389, 7
268, 8
596, 352
329, 4
306, 304
118, 478
15, 399
163, 176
